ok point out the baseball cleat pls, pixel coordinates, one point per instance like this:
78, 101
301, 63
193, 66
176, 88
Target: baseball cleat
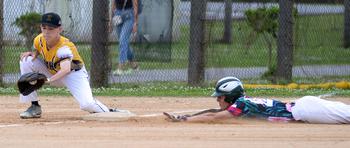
33, 111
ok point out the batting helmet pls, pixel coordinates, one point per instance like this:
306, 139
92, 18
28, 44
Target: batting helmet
230, 87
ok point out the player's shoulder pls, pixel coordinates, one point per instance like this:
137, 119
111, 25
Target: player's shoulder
241, 100
66, 42
38, 37
244, 98
38, 41
64, 52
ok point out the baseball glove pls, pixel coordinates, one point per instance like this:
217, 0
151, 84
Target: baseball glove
175, 118
30, 82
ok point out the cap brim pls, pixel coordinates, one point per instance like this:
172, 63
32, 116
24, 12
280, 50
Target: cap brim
51, 25
216, 94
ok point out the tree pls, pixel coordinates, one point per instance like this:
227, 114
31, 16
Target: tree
30, 27
285, 42
100, 67
196, 61
347, 24
227, 37
2, 60
263, 21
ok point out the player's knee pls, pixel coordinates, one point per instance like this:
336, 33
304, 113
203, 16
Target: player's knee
26, 61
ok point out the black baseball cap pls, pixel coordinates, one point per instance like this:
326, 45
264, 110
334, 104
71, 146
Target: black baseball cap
51, 19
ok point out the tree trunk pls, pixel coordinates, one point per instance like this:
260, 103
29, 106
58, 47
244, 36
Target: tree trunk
29, 41
100, 67
285, 42
2, 60
227, 37
196, 61
347, 24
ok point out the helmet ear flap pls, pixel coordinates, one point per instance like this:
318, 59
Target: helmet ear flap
234, 94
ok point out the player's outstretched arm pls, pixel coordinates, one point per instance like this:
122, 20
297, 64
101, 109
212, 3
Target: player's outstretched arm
205, 117
210, 117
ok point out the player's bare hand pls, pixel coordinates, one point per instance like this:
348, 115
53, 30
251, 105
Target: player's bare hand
25, 55
175, 118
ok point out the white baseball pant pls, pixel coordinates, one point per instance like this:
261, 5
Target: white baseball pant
77, 83
315, 110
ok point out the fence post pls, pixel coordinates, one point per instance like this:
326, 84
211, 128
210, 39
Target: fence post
285, 42
227, 37
2, 60
196, 61
346, 23
100, 54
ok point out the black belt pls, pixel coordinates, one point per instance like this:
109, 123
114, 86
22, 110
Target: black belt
292, 104
76, 69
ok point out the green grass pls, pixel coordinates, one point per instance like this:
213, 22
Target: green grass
179, 90
318, 41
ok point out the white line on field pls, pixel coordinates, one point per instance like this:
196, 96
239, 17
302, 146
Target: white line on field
11, 125
41, 123
175, 112
82, 121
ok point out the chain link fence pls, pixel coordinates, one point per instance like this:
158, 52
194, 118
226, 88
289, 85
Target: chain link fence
162, 43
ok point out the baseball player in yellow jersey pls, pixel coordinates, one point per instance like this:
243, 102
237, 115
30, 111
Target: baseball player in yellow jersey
57, 58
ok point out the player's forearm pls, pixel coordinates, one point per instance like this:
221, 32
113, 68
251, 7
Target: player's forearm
210, 117
65, 69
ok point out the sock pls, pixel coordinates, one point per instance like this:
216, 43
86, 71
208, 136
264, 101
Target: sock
35, 103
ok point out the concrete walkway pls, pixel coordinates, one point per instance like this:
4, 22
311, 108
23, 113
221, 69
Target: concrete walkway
215, 73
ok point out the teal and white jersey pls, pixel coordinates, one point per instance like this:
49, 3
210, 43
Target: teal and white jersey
269, 109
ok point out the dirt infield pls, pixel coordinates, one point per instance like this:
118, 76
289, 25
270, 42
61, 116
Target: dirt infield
62, 126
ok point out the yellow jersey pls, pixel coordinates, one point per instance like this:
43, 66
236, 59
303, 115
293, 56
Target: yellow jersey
64, 49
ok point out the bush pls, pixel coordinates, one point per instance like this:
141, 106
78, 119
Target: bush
263, 20
30, 27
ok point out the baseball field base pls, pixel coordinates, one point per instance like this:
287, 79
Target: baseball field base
109, 116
